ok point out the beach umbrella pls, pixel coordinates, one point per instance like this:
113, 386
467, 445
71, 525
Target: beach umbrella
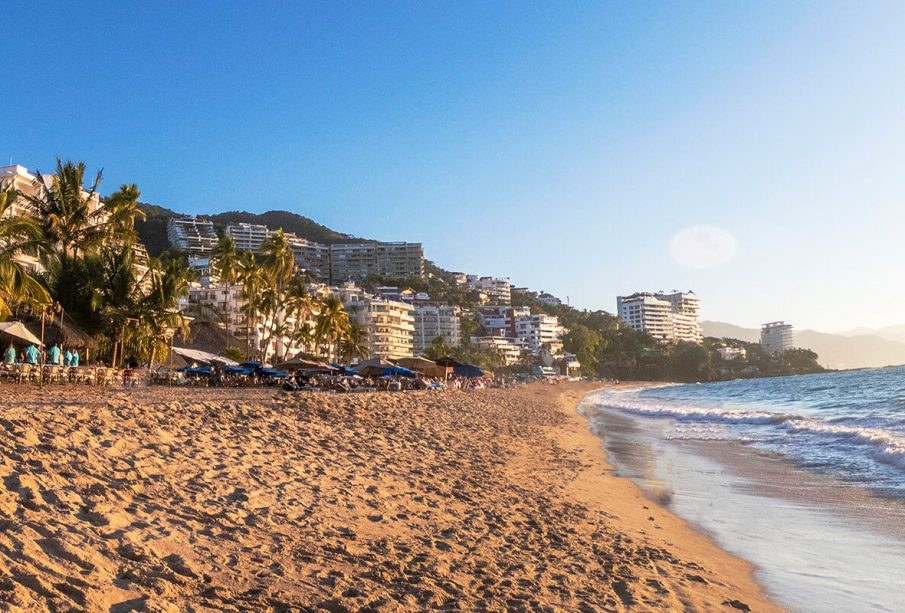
424, 366
468, 370
197, 355
385, 371
18, 330
448, 361
301, 363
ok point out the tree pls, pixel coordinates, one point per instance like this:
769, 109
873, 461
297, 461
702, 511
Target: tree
583, 342
354, 344
70, 215
225, 261
252, 279
19, 235
331, 323
121, 209
438, 349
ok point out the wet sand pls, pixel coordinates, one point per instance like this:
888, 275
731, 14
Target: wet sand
232, 500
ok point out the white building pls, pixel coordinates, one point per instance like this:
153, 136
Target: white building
357, 261
548, 299
776, 337
540, 332
432, 321
196, 236
732, 353
500, 319
667, 317
248, 236
497, 290
508, 348
389, 325
310, 256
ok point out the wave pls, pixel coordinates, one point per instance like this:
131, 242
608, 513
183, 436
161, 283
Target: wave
881, 445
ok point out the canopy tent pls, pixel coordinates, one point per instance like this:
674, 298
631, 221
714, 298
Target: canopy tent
345, 370
18, 330
196, 355
424, 366
378, 361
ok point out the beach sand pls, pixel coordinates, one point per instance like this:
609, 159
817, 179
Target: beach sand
231, 500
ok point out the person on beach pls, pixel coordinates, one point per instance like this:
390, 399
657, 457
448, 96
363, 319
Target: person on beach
32, 354
67, 358
54, 355
9, 356
75, 358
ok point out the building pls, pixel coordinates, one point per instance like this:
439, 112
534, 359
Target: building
193, 235
497, 290
776, 337
247, 236
548, 299
732, 353
667, 317
539, 332
388, 325
508, 348
433, 321
500, 319
356, 261
310, 256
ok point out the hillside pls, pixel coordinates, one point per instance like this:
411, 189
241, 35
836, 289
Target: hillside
835, 350
153, 231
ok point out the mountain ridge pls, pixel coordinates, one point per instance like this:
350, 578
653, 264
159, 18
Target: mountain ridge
836, 351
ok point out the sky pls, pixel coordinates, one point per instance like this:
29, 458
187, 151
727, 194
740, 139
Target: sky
753, 152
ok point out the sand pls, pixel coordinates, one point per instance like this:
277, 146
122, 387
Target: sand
232, 500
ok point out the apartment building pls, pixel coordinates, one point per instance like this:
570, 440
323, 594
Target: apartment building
776, 337
500, 319
667, 317
507, 347
433, 321
356, 261
247, 236
497, 290
389, 325
732, 353
310, 256
196, 236
539, 332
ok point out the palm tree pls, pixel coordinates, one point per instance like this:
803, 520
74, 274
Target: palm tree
354, 344
298, 307
252, 279
19, 235
121, 210
225, 260
331, 323
70, 215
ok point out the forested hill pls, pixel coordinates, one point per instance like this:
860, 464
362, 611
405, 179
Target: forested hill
153, 231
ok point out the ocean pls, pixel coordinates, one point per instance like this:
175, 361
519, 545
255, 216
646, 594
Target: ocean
803, 476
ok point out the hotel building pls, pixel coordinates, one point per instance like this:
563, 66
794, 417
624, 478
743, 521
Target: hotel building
247, 236
667, 317
193, 235
389, 326
497, 290
432, 321
776, 337
356, 261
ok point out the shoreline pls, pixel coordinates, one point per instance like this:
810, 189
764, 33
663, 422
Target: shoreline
634, 508
165, 499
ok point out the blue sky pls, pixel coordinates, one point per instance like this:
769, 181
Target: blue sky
561, 144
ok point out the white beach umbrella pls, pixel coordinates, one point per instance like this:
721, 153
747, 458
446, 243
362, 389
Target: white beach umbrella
16, 329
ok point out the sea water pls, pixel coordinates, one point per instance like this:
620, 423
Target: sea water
803, 476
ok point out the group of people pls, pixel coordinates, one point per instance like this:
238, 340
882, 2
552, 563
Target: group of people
32, 355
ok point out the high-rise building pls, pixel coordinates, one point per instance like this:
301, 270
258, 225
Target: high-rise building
497, 290
433, 321
388, 325
667, 317
196, 236
356, 261
310, 256
247, 236
776, 337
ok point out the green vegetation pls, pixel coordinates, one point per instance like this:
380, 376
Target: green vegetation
77, 254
